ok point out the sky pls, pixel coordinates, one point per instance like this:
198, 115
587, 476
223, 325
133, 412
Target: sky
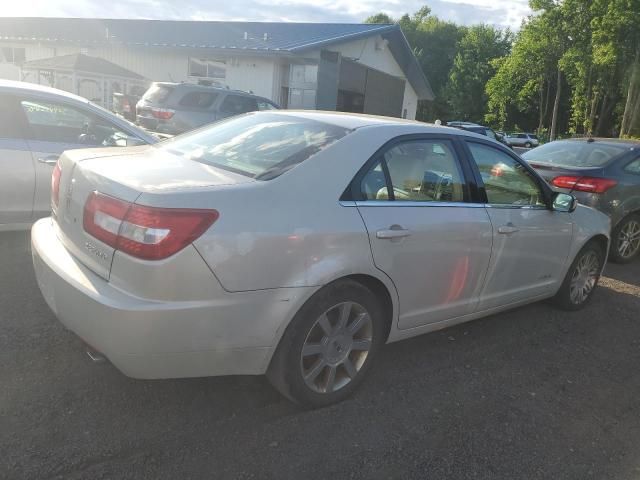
500, 13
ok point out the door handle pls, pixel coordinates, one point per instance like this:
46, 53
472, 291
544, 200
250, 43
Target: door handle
508, 229
396, 231
49, 159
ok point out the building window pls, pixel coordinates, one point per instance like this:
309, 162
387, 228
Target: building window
205, 68
302, 98
304, 74
14, 55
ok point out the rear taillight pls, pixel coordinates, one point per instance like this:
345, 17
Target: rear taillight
584, 184
55, 184
162, 113
144, 232
126, 106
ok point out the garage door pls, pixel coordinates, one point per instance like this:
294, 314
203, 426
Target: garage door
365, 90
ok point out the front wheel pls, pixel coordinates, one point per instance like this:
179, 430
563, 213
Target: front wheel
528, 145
625, 242
581, 279
329, 345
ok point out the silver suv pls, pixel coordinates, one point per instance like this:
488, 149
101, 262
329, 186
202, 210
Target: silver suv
175, 108
527, 140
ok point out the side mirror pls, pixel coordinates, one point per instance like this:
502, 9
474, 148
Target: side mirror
563, 202
135, 142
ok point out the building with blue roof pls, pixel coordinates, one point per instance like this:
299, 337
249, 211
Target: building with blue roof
366, 68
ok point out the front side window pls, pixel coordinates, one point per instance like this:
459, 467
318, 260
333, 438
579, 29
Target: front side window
419, 171
506, 181
261, 146
61, 123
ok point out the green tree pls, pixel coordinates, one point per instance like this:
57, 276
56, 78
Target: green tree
435, 44
473, 66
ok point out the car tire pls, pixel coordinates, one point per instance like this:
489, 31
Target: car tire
528, 145
625, 240
581, 279
329, 345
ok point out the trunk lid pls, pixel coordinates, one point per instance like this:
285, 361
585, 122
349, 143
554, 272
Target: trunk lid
124, 174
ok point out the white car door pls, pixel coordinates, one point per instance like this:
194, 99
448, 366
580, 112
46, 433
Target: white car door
56, 126
530, 242
18, 176
424, 232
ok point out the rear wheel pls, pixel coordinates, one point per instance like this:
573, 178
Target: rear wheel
625, 242
581, 279
329, 345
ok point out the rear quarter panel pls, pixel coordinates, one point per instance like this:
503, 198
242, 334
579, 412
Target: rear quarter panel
291, 231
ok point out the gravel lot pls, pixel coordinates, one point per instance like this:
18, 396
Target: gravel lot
532, 393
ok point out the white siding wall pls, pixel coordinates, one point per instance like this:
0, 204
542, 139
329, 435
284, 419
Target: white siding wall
258, 74
382, 59
243, 73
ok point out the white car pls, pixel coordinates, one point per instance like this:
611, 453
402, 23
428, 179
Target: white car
297, 243
36, 125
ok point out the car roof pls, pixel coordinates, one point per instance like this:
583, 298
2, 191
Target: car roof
353, 121
35, 88
206, 88
606, 141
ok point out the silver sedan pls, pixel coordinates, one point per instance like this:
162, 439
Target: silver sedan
297, 243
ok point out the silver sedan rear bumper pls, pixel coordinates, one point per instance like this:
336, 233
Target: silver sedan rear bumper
232, 334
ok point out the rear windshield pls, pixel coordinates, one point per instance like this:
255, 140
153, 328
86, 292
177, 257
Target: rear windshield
574, 154
260, 146
157, 93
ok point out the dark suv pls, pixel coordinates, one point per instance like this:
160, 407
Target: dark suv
479, 129
174, 108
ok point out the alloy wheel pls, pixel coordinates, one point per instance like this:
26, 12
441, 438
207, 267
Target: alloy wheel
628, 241
584, 278
336, 347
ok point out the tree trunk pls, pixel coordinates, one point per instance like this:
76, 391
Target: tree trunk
592, 113
634, 128
546, 102
541, 108
556, 106
626, 117
587, 123
601, 116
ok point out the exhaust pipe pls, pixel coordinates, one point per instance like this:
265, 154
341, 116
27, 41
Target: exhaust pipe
96, 357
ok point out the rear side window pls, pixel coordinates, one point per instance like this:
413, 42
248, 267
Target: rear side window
264, 105
157, 93
633, 167
419, 171
236, 104
261, 146
198, 99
